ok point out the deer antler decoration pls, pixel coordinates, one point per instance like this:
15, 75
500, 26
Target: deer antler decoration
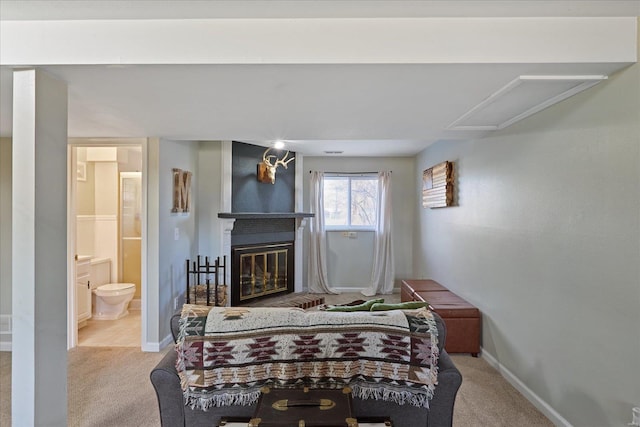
267, 170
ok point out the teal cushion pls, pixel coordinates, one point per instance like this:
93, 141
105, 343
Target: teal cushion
410, 305
365, 306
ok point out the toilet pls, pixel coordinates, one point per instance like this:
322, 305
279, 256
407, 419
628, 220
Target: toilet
111, 301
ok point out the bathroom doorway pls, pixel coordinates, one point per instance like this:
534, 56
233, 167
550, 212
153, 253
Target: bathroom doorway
106, 218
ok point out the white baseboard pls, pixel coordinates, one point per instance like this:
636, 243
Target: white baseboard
532, 397
5, 332
135, 304
155, 347
344, 289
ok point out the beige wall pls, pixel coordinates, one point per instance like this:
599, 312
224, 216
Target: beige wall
545, 240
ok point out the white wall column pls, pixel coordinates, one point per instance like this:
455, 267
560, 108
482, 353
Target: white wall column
298, 281
39, 250
227, 228
298, 269
150, 309
226, 225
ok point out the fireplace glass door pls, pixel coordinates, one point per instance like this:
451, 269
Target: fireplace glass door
263, 270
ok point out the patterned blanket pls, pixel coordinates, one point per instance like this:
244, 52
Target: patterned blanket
227, 354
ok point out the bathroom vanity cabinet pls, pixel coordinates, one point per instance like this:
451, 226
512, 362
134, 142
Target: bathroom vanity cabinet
83, 288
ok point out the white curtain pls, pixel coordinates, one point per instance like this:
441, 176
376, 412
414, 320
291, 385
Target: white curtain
318, 241
383, 272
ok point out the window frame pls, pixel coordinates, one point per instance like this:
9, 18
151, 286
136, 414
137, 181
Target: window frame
349, 226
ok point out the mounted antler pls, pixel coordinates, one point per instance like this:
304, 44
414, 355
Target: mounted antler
267, 170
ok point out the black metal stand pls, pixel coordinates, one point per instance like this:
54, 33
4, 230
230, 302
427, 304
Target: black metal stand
201, 273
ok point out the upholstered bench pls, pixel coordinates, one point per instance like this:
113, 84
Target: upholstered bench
462, 318
410, 287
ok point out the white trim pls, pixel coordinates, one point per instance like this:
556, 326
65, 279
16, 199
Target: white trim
72, 218
5, 324
553, 100
299, 256
431, 40
72, 250
339, 228
227, 226
587, 82
5, 332
529, 394
348, 289
226, 190
144, 250
135, 304
155, 347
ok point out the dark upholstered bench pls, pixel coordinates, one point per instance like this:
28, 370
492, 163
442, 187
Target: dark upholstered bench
462, 318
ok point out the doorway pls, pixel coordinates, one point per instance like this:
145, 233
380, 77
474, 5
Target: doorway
105, 222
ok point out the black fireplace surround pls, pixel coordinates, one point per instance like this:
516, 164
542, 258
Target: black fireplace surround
264, 229
260, 234
261, 271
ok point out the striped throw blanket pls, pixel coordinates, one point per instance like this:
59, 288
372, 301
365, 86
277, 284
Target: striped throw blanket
227, 354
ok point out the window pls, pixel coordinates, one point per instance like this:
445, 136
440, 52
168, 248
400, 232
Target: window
350, 202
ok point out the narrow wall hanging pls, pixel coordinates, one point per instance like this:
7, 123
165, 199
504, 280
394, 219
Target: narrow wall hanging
437, 186
181, 190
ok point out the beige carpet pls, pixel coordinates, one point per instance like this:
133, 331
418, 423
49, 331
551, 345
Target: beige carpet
5, 389
111, 387
487, 399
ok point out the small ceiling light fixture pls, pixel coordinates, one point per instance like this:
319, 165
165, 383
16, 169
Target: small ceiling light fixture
278, 145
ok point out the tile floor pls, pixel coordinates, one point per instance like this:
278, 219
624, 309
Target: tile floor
124, 332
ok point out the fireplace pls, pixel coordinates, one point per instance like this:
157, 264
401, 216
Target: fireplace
256, 219
261, 270
265, 253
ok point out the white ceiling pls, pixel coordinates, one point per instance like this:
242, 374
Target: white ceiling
362, 110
